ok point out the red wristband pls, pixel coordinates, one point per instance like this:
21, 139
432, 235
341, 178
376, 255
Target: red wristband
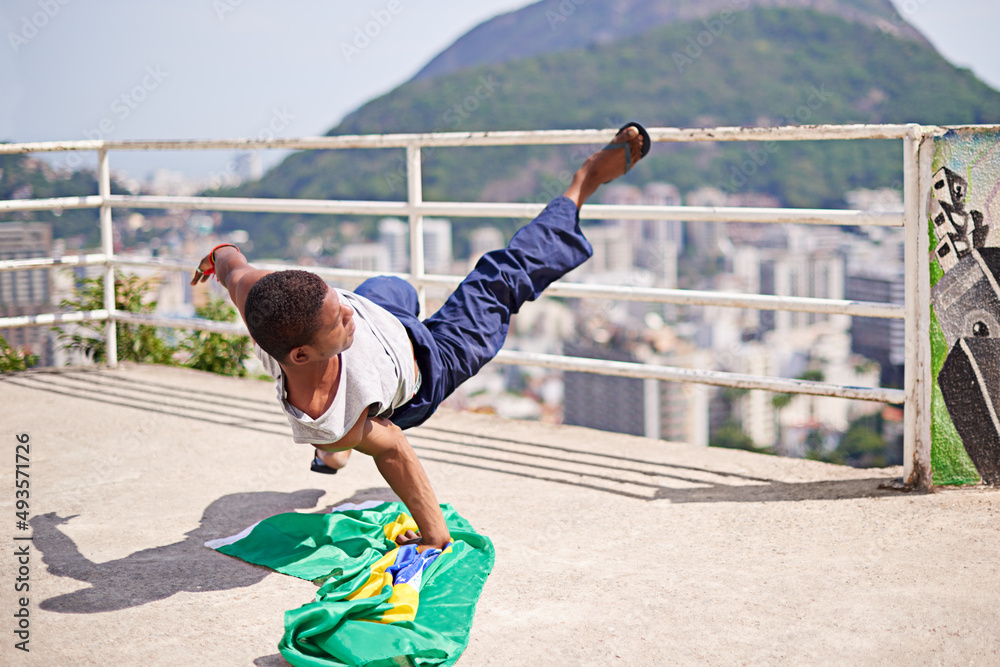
211, 258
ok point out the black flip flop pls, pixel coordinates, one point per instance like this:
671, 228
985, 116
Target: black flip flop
319, 466
646, 143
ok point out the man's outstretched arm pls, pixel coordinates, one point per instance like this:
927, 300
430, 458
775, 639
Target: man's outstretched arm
399, 465
233, 272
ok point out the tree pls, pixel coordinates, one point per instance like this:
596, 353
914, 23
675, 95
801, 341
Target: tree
862, 446
781, 401
136, 342
731, 436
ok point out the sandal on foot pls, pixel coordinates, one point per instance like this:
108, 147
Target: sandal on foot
319, 466
627, 144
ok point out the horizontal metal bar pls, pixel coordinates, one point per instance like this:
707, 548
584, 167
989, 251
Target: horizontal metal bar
785, 133
51, 262
51, 146
729, 299
702, 298
688, 213
505, 138
263, 205
491, 210
53, 204
182, 266
46, 319
716, 378
193, 323
599, 366
811, 216
585, 291
155, 263
465, 209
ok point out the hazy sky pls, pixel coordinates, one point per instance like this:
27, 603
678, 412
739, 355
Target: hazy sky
127, 69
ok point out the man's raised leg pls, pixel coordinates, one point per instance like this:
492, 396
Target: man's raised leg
471, 326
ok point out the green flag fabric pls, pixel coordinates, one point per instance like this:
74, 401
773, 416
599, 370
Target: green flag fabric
378, 605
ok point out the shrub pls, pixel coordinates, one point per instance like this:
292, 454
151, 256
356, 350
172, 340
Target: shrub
15, 359
215, 352
144, 343
136, 342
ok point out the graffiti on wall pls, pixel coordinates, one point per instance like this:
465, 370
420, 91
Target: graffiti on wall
964, 219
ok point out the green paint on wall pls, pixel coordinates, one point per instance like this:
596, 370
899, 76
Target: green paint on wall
936, 271
950, 464
939, 346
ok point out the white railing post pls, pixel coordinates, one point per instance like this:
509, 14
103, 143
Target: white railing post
651, 408
108, 248
917, 153
415, 197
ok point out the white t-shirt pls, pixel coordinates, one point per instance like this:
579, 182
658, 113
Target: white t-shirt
376, 375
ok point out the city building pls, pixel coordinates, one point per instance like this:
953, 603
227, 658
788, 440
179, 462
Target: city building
756, 409
481, 241
27, 292
604, 402
394, 235
612, 251
364, 257
671, 411
878, 338
653, 245
706, 238
437, 246
801, 273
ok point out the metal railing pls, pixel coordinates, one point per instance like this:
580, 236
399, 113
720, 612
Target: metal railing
916, 166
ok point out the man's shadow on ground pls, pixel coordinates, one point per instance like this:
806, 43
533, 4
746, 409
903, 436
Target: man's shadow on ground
157, 573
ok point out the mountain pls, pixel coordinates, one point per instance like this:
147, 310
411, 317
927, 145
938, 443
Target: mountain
763, 66
550, 26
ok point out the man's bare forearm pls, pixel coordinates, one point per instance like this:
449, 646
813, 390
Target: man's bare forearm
400, 467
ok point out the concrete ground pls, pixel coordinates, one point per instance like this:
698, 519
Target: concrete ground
610, 549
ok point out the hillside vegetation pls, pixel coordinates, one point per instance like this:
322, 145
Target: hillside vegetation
760, 67
551, 26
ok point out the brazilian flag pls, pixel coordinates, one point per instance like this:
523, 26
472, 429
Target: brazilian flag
378, 604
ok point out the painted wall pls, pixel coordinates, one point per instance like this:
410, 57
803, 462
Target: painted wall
964, 220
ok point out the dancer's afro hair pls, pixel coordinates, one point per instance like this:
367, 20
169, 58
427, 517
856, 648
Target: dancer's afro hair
282, 310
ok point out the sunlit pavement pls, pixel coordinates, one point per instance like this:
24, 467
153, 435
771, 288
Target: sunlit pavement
611, 549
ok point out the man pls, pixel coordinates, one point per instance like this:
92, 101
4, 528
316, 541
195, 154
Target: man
355, 369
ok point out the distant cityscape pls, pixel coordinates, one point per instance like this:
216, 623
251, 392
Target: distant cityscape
784, 260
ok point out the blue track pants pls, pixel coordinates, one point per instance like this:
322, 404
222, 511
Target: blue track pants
470, 328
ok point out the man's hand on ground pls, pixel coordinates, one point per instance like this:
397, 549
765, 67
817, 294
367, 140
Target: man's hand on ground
411, 537
400, 467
